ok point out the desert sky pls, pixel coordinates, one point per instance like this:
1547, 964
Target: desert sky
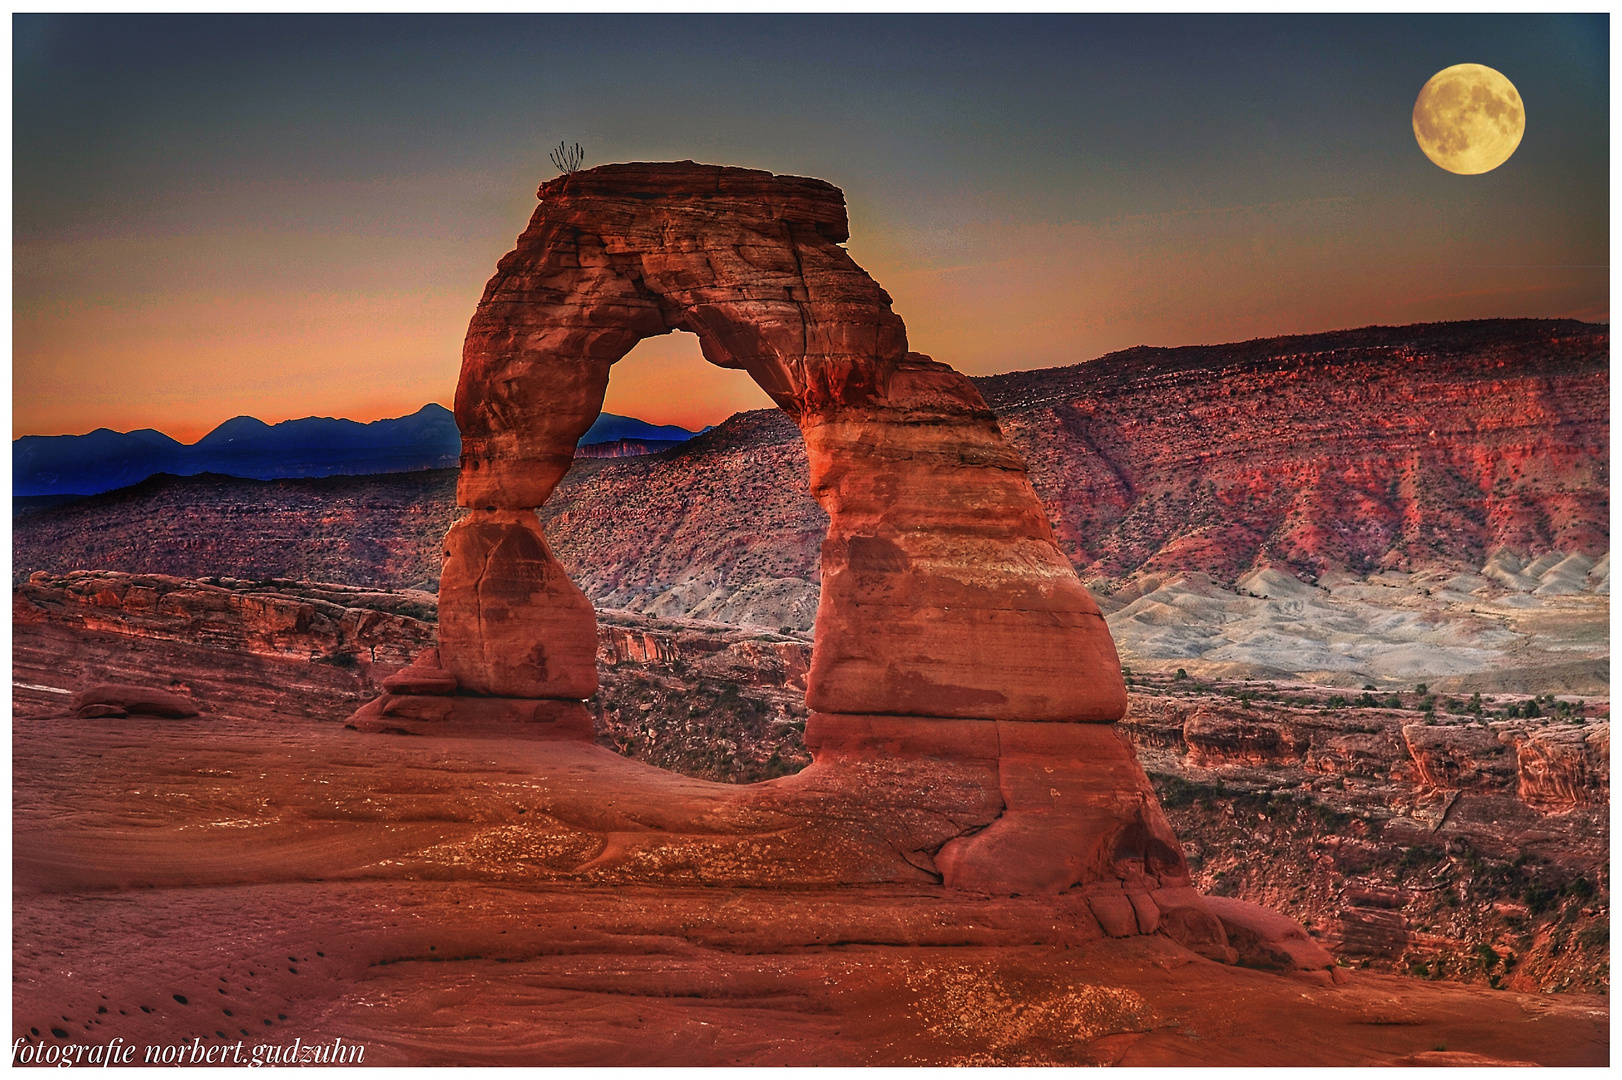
285, 216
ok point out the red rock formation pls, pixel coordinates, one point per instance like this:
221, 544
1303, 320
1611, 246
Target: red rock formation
1266, 939
1561, 769
423, 676
946, 606
274, 619
1408, 846
122, 699
944, 593
1218, 737
1399, 447
511, 621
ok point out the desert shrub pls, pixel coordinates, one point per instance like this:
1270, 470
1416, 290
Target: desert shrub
1420, 855
1174, 792
1539, 897
568, 158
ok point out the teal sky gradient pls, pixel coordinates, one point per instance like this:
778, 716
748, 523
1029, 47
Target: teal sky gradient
293, 215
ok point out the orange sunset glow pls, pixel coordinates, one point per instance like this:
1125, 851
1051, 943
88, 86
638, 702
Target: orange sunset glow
228, 247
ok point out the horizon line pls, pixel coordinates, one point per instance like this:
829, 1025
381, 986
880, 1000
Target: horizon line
989, 375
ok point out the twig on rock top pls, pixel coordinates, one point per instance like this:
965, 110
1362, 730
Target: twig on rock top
568, 158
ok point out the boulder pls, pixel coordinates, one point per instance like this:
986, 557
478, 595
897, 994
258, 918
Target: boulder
1266, 939
1115, 914
451, 714
423, 676
117, 699
1185, 918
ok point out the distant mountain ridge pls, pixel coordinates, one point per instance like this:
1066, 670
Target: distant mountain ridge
252, 449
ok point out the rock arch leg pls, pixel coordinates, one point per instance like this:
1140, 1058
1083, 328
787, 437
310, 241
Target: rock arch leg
511, 623
944, 592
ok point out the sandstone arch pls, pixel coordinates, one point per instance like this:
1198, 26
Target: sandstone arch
963, 682
944, 594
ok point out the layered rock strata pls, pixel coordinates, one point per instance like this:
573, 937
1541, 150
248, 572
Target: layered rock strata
283, 619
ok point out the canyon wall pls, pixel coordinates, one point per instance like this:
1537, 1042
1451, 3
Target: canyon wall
1382, 448
1396, 447
1437, 845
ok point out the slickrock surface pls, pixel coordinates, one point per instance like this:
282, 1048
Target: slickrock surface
264, 880
1403, 846
402, 892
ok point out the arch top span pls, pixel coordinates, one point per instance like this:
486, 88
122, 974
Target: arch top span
747, 261
944, 593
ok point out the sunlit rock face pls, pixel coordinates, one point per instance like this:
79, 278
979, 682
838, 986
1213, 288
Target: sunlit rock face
509, 615
944, 593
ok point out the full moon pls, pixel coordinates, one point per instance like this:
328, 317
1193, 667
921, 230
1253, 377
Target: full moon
1469, 119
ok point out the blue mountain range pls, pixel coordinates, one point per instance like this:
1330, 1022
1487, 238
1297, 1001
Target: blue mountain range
247, 447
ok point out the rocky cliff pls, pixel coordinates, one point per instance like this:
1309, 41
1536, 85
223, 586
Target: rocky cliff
1448, 838
276, 618
1388, 447
703, 699
1470, 460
